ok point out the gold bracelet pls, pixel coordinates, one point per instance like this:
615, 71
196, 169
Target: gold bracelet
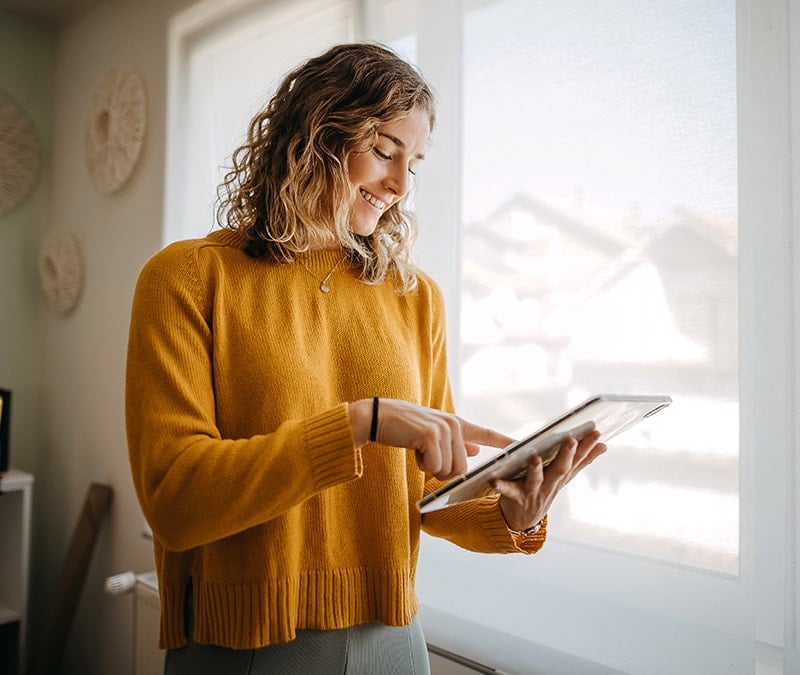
528, 532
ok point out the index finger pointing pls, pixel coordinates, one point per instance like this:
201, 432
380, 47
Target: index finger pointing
483, 436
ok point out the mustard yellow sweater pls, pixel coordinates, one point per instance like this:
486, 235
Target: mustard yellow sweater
242, 454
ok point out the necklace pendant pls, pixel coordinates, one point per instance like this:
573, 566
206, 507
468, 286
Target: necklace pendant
323, 285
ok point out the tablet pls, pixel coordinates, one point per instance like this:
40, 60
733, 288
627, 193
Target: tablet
611, 414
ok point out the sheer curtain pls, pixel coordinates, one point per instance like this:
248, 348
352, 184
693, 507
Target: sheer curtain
226, 58
608, 205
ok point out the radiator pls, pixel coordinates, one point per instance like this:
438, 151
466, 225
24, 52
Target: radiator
148, 658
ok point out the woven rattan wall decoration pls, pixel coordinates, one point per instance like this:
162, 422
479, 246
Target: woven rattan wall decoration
19, 154
116, 128
61, 271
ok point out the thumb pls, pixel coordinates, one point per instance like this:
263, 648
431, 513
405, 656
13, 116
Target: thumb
506, 489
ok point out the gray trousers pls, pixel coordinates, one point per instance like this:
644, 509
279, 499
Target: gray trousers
367, 649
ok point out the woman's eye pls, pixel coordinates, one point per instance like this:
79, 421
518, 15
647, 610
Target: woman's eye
386, 157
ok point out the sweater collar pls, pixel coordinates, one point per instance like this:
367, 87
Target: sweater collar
228, 237
322, 260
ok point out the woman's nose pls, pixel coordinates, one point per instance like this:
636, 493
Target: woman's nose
397, 181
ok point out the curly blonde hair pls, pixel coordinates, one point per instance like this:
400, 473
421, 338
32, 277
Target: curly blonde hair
288, 189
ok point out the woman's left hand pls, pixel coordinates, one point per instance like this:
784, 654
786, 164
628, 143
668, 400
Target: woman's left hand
525, 502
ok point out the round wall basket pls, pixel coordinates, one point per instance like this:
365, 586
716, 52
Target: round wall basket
61, 271
116, 128
19, 154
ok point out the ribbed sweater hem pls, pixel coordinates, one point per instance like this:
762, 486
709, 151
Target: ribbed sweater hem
252, 615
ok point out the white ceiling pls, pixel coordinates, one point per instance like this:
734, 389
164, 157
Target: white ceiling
54, 12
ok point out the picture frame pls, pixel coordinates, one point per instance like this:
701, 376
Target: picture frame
5, 429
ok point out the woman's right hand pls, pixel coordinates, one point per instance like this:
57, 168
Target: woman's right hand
442, 441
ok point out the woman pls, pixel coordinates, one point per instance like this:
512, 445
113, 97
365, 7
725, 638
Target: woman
287, 399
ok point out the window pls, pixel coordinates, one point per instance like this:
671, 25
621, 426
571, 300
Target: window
625, 155
622, 166
226, 59
600, 244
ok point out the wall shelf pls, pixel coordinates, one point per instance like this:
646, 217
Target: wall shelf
16, 494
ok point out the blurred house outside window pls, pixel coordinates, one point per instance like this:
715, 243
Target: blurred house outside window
599, 254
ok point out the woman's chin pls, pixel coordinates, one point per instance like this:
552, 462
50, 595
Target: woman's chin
363, 229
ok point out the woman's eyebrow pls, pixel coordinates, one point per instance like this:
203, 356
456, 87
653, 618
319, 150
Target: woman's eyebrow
399, 143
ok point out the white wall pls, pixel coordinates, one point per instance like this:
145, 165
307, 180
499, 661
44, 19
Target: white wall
26, 65
75, 434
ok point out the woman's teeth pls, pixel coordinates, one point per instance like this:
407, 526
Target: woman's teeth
372, 199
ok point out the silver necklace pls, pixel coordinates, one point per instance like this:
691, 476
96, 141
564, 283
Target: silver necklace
323, 285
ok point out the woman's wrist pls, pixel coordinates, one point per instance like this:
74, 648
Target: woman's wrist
528, 531
532, 539
515, 524
360, 420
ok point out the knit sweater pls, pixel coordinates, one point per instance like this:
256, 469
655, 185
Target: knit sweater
238, 376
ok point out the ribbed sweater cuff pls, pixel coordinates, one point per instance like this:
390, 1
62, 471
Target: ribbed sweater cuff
334, 456
491, 518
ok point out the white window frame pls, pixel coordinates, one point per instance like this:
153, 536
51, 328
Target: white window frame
588, 592
185, 30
